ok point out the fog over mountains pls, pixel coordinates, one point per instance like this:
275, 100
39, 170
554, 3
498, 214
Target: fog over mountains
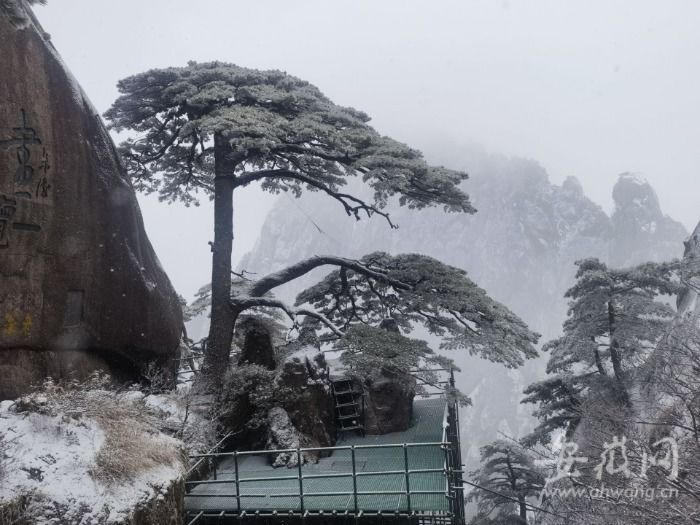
520, 247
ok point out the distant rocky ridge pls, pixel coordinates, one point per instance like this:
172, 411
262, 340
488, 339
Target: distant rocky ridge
520, 246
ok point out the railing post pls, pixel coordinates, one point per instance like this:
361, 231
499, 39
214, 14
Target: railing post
408, 486
354, 481
238, 483
216, 458
301, 482
364, 427
449, 478
458, 457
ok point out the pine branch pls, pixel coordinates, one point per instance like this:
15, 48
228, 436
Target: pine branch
295, 271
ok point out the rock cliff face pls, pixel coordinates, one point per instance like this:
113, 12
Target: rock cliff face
80, 285
520, 246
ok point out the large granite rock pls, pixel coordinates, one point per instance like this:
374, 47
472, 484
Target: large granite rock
306, 418
283, 435
80, 285
257, 347
311, 407
388, 402
388, 396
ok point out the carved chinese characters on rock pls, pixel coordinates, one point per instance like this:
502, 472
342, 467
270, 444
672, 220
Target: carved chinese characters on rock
43, 186
7, 210
31, 179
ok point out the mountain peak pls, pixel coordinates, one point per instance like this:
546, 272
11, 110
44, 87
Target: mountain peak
634, 192
640, 226
572, 185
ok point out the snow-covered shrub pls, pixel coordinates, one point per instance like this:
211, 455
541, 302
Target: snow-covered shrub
183, 415
248, 392
157, 379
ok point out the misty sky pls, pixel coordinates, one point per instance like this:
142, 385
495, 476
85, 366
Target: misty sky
587, 88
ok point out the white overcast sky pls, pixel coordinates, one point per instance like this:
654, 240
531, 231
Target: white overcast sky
587, 88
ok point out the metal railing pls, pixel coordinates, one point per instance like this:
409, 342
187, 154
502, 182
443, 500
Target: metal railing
451, 469
300, 477
204, 464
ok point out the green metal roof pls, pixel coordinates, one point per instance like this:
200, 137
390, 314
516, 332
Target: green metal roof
282, 495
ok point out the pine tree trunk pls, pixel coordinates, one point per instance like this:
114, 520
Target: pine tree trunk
523, 509
615, 357
222, 320
513, 478
598, 360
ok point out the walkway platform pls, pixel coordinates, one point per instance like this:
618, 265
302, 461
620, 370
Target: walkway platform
403, 473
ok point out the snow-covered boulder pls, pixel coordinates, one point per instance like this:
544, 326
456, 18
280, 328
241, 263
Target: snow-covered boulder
282, 435
311, 408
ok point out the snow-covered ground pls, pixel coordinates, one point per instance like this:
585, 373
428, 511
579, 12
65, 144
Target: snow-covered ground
87, 457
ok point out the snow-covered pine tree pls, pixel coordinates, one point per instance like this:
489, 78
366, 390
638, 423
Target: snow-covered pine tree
616, 317
409, 290
367, 308
559, 401
511, 478
214, 127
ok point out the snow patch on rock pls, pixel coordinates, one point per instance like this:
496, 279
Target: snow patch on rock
283, 436
52, 460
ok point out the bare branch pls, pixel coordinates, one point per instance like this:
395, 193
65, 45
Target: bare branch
243, 303
353, 206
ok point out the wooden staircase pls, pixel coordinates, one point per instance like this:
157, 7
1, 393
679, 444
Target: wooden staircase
349, 407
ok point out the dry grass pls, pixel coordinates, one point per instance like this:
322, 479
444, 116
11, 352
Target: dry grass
132, 443
14, 512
